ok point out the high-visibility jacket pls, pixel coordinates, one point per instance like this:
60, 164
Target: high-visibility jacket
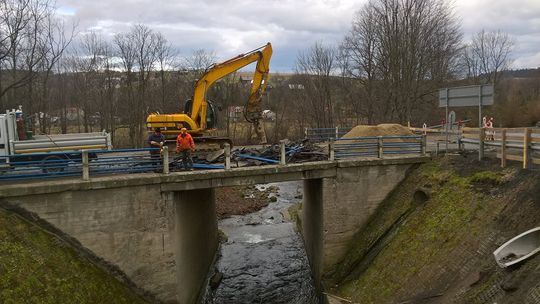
184, 142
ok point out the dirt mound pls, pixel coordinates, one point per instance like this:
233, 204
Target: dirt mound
378, 130
242, 200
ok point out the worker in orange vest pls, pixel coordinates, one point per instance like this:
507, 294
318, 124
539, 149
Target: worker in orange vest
185, 145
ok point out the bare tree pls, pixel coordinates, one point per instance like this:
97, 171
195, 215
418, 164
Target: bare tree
165, 60
359, 53
487, 55
138, 52
56, 41
401, 50
317, 65
200, 60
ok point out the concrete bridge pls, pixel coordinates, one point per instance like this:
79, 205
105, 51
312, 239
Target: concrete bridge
161, 229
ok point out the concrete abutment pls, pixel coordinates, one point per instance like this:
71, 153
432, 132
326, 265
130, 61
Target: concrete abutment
196, 241
335, 209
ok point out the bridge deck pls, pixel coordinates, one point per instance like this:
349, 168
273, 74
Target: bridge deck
178, 181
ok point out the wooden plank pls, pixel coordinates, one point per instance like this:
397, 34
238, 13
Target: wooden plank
526, 144
473, 136
511, 157
535, 161
514, 138
481, 139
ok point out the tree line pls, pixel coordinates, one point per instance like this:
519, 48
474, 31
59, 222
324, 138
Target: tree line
387, 68
392, 62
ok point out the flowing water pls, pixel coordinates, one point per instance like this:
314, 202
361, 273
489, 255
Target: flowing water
264, 260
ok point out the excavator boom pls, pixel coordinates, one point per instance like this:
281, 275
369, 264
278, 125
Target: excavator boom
196, 119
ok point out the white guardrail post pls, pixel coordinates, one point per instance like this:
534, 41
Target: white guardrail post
331, 150
380, 147
424, 144
227, 151
282, 160
165, 158
85, 165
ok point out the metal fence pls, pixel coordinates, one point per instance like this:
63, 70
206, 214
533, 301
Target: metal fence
76, 163
325, 134
379, 146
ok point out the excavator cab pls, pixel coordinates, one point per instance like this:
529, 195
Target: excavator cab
211, 115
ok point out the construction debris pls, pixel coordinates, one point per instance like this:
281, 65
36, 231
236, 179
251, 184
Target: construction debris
295, 152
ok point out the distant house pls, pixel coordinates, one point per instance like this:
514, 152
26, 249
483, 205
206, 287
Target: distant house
235, 113
269, 115
296, 86
246, 80
74, 113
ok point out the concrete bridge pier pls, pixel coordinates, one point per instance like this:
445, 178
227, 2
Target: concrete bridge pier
196, 241
312, 226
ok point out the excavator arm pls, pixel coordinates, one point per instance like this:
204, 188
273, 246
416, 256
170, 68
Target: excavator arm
196, 118
253, 110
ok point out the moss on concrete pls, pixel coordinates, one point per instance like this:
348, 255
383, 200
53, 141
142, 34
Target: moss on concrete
295, 215
37, 267
405, 246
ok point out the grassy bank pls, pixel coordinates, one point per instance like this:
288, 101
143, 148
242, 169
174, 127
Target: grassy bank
439, 250
38, 267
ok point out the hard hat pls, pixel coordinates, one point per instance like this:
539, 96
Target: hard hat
183, 129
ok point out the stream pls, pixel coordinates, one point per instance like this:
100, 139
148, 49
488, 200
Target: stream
264, 260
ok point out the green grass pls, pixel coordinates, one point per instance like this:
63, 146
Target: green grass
424, 240
36, 267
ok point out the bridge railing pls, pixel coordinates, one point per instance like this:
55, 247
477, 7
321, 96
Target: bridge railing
325, 134
125, 161
379, 146
75, 163
518, 144
40, 165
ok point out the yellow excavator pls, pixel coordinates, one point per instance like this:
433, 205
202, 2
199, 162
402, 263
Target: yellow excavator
199, 115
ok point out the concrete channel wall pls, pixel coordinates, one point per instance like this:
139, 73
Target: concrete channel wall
334, 209
161, 230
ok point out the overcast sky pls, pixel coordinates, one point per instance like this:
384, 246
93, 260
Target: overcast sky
230, 27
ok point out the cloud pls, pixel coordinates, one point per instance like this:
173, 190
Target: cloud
519, 18
230, 27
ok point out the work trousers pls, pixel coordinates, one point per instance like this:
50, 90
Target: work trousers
186, 159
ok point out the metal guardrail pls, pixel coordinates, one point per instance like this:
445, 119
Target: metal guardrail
379, 146
86, 164
325, 134
70, 164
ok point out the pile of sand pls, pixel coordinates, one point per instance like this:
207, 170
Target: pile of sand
378, 130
